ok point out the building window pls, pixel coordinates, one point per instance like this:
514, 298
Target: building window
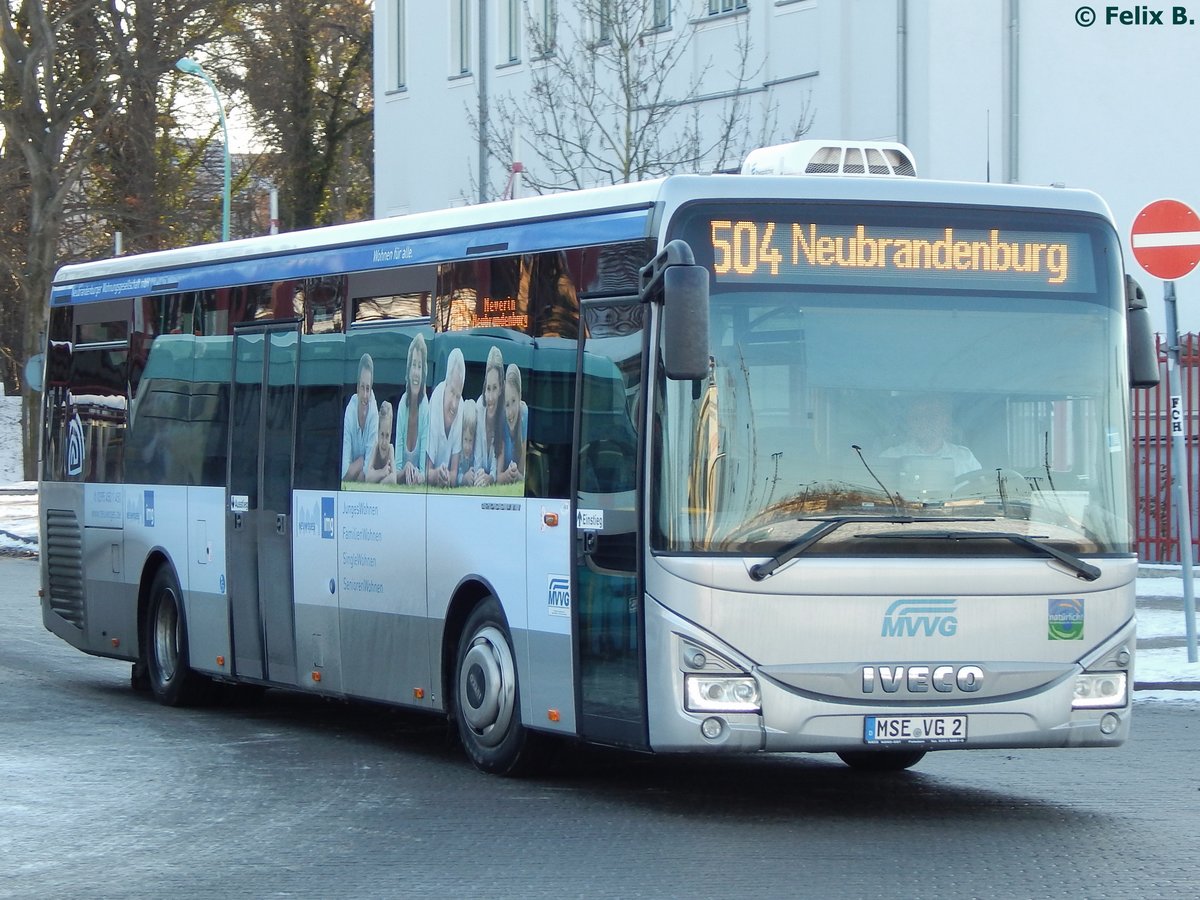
604, 30
716, 7
401, 80
654, 15
662, 13
513, 32
545, 26
460, 36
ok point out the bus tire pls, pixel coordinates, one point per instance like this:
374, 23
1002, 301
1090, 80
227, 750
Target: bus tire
164, 643
487, 703
881, 760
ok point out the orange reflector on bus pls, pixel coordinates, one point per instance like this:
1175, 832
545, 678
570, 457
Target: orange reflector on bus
116, 642
221, 661
316, 676
552, 715
551, 520
418, 693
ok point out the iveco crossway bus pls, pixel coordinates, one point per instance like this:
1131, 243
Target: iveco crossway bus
832, 462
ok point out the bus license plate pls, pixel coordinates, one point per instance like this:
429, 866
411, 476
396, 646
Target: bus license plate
915, 729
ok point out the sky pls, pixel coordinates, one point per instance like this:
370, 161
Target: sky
1157, 586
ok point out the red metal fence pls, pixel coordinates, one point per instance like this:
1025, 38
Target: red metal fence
1157, 534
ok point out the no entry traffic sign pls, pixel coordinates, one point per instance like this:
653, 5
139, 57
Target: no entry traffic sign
1166, 239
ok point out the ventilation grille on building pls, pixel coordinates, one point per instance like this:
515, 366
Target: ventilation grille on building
64, 563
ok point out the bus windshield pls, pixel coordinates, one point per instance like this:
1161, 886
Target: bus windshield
916, 375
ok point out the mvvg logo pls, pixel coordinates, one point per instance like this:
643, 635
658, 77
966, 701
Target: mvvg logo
558, 596
913, 618
74, 447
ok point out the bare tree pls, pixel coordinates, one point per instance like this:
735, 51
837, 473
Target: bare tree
307, 68
738, 129
616, 96
14, 240
56, 93
89, 132
141, 176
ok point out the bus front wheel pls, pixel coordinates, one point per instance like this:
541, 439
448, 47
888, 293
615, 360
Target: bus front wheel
487, 707
164, 645
881, 760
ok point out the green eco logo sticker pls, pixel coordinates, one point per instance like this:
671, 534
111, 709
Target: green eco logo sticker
1065, 620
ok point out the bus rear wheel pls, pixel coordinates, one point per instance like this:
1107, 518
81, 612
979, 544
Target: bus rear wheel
881, 760
487, 708
164, 645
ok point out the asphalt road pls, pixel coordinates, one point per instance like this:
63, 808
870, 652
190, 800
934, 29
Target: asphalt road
106, 794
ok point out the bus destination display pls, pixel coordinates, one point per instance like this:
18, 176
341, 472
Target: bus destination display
791, 251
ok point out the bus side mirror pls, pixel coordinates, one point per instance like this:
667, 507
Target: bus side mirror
685, 323
1143, 356
683, 286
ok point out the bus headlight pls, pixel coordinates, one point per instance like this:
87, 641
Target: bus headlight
1100, 690
722, 693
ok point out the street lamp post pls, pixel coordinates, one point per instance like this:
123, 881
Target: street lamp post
189, 66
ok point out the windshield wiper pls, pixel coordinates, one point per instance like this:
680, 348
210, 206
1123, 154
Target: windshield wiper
794, 548
1083, 570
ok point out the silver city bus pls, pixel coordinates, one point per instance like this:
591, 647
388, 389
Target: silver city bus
706, 464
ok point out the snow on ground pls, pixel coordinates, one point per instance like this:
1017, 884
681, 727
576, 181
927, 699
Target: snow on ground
10, 440
1161, 622
1159, 588
18, 519
18, 503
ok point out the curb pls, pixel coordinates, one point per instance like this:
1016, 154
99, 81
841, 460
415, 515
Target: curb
1166, 685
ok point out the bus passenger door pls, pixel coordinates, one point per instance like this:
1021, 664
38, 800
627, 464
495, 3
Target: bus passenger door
261, 449
608, 625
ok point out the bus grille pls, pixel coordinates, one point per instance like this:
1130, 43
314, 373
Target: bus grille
64, 563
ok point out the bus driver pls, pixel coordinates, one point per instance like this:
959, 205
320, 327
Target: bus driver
927, 429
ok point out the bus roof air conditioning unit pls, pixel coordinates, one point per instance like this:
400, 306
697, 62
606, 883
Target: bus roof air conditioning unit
831, 158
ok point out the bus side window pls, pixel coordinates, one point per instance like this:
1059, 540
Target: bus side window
553, 299
99, 391
57, 408
209, 410
551, 414
319, 437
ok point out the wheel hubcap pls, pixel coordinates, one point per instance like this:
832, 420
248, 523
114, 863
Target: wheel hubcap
487, 686
166, 643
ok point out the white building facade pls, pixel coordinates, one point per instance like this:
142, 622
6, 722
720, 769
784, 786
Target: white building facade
1003, 90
